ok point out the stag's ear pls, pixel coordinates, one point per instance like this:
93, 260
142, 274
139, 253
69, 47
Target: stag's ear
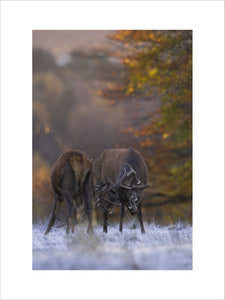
140, 187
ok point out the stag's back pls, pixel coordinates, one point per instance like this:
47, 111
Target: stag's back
110, 163
71, 161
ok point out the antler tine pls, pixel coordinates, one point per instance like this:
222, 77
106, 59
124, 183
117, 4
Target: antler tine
96, 186
99, 186
138, 180
133, 171
108, 179
118, 184
140, 187
119, 180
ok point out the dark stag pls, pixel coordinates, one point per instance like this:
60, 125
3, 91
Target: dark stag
119, 176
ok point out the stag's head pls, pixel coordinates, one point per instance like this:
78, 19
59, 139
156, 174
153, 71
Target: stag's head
126, 190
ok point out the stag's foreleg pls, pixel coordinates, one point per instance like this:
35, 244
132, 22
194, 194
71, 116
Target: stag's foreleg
139, 214
121, 217
56, 206
105, 216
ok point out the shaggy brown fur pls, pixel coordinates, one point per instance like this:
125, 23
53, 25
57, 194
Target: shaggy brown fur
78, 162
70, 180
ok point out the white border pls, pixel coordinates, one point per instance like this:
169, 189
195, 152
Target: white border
18, 19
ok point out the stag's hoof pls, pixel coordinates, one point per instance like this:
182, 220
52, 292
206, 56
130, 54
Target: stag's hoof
90, 230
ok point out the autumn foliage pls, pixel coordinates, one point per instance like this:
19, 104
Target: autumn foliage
159, 69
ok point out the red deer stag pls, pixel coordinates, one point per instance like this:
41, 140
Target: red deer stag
70, 180
118, 178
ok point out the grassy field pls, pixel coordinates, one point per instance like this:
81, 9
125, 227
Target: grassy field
160, 248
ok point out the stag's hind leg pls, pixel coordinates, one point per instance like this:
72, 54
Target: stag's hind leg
68, 191
56, 206
72, 212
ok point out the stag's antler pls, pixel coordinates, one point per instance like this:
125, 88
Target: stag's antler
121, 178
132, 171
119, 183
140, 187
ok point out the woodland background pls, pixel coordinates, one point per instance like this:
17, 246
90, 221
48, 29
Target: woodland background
94, 90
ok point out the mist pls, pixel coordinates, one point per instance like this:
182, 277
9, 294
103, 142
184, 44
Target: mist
93, 126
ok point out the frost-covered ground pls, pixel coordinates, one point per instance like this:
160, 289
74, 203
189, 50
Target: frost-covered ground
160, 248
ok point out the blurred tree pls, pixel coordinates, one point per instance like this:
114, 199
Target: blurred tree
159, 69
42, 191
42, 60
53, 99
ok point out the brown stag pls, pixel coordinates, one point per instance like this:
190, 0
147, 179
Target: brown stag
118, 178
70, 176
